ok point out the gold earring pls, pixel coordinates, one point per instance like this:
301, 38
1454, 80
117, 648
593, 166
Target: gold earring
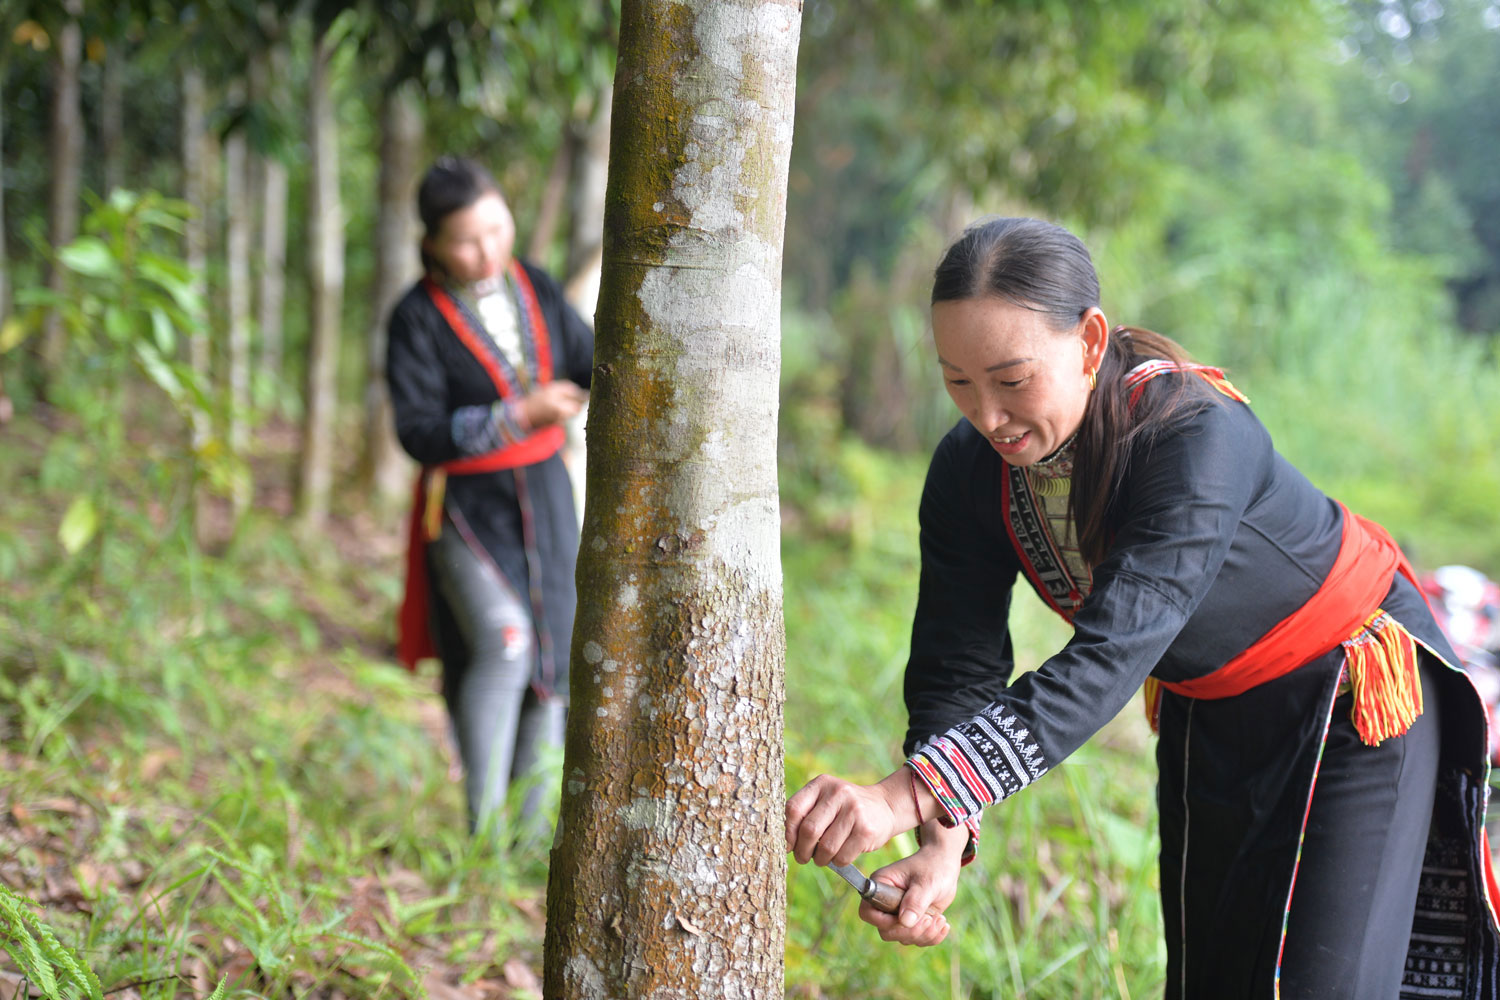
1092, 381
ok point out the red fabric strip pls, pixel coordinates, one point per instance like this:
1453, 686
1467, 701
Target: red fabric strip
1368, 559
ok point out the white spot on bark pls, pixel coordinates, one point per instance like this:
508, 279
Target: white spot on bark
593, 652
648, 814
581, 971
628, 597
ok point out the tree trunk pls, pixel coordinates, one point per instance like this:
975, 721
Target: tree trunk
237, 225
668, 878
112, 116
194, 123
325, 274
586, 189
384, 467
554, 192
270, 293
65, 162
4, 257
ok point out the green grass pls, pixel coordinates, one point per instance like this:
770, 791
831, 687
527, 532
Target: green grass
218, 782
1061, 901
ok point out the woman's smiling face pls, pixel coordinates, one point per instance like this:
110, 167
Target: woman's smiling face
1022, 384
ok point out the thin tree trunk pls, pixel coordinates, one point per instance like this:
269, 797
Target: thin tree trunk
271, 288
7, 408
112, 116
586, 188
385, 469
4, 257
554, 193
237, 216
668, 878
325, 273
65, 163
194, 123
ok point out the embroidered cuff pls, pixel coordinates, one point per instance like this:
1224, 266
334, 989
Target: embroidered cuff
978, 763
473, 430
510, 420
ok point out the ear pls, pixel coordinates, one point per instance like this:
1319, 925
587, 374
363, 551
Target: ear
1093, 330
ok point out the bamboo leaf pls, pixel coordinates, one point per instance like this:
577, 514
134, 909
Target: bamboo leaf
78, 525
12, 332
89, 255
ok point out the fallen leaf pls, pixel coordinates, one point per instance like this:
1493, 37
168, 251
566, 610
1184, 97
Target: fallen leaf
12, 983
518, 975
438, 988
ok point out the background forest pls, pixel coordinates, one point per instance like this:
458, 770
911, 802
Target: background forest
216, 779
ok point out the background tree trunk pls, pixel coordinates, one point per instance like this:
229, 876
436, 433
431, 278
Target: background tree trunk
195, 228
4, 255
270, 294
112, 116
237, 226
586, 189
65, 163
384, 466
554, 193
668, 878
325, 227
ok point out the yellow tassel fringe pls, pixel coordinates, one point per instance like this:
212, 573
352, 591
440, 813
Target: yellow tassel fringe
1382, 660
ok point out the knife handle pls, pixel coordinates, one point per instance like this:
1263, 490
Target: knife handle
884, 896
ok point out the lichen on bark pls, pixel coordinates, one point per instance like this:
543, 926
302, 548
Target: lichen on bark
668, 876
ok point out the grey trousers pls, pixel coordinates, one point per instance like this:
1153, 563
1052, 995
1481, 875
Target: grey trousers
488, 646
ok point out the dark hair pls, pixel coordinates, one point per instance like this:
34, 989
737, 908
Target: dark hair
1041, 266
450, 185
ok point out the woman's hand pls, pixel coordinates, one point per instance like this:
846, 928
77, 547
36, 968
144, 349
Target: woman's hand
552, 403
930, 878
835, 820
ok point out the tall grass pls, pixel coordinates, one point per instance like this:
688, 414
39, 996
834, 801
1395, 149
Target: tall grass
1061, 901
215, 776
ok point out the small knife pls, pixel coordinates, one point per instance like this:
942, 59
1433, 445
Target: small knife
882, 895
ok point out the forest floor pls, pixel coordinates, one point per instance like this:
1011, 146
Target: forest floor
203, 758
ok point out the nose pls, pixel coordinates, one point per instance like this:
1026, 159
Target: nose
990, 414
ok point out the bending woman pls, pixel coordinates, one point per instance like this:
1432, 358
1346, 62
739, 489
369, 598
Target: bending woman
1313, 734
485, 361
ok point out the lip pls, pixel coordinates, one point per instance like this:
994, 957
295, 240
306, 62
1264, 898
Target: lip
1012, 447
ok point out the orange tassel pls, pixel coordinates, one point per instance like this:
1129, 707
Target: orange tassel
432, 512
1382, 661
1151, 694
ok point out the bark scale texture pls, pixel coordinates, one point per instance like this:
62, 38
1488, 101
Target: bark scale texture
668, 879
384, 467
325, 280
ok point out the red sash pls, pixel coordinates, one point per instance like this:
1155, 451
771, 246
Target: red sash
1345, 610
414, 640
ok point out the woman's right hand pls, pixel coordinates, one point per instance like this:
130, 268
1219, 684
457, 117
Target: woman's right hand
553, 403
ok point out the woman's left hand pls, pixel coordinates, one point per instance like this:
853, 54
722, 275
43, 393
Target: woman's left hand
835, 820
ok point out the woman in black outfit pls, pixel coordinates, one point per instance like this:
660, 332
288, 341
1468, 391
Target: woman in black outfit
486, 360
1314, 735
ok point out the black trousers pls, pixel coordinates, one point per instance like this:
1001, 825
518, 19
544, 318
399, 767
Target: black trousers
1350, 921
1232, 793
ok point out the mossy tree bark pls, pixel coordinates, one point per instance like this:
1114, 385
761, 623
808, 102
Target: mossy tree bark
668, 878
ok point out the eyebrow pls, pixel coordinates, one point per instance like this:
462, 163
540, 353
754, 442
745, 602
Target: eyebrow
992, 368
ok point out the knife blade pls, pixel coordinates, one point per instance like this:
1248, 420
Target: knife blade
882, 895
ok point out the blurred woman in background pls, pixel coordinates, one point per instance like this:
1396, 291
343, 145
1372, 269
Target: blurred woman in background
486, 360
1313, 733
